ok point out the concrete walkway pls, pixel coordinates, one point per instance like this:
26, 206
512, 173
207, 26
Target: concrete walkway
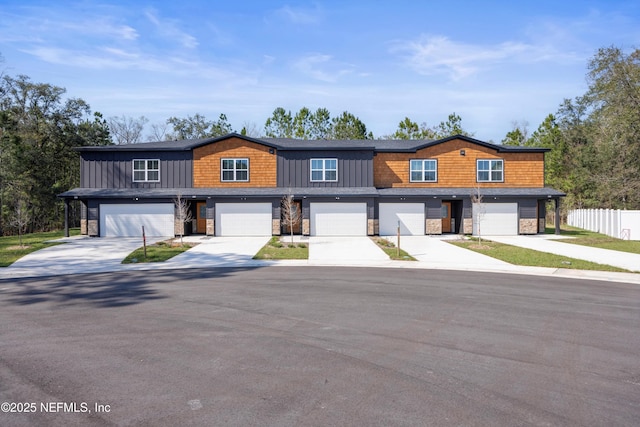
554, 245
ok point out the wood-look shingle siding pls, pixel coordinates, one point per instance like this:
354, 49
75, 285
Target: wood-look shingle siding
355, 168
456, 170
115, 169
207, 163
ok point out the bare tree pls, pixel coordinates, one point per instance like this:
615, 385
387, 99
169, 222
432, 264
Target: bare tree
251, 129
127, 130
478, 211
159, 132
21, 216
291, 215
183, 214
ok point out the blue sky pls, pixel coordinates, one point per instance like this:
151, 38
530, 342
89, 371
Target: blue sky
491, 62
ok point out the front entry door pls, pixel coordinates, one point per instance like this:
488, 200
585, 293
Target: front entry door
201, 217
446, 217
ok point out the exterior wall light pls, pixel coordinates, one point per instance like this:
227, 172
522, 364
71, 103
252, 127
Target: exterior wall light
462, 153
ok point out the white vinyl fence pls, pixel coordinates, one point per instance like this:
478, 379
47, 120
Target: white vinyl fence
615, 223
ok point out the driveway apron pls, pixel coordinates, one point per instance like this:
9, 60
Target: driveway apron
345, 250
77, 255
218, 251
435, 252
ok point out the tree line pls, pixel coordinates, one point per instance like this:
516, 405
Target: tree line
594, 140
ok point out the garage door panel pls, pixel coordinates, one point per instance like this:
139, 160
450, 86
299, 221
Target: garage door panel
410, 215
243, 219
338, 219
496, 219
127, 220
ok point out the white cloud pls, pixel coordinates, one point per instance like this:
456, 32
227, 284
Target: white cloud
169, 28
300, 16
430, 55
322, 67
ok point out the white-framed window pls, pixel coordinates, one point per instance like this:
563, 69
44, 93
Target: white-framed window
424, 170
146, 170
324, 169
490, 170
234, 170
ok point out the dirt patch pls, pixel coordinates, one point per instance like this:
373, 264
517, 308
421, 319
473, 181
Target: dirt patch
480, 246
17, 247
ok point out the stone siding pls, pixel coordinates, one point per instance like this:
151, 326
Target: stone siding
434, 226
528, 226
92, 228
467, 225
83, 227
371, 227
306, 230
542, 224
275, 227
178, 228
211, 229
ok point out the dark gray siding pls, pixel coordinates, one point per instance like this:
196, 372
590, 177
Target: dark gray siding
115, 169
433, 209
528, 208
355, 168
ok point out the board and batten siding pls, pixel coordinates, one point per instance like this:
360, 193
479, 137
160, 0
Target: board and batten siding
115, 169
355, 168
455, 170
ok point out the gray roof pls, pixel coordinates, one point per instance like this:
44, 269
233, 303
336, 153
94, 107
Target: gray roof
401, 145
160, 193
467, 192
163, 193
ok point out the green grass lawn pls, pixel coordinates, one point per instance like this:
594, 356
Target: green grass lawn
391, 250
521, 256
596, 240
158, 252
276, 249
11, 251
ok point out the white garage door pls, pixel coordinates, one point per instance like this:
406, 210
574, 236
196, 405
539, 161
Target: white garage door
410, 215
127, 220
496, 219
243, 219
338, 219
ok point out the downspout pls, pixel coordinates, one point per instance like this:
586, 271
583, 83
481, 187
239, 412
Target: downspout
66, 217
557, 200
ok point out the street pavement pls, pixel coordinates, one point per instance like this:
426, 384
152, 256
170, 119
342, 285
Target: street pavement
318, 346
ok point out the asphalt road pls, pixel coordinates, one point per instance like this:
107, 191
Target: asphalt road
319, 346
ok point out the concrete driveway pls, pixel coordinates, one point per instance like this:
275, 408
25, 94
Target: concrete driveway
435, 252
218, 251
345, 250
79, 254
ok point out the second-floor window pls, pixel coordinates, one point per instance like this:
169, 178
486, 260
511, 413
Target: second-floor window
146, 170
324, 169
235, 170
490, 171
424, 170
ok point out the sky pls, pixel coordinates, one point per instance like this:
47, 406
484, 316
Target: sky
494, 63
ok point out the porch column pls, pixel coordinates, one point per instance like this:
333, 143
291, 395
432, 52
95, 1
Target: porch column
66, 217
557, 200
